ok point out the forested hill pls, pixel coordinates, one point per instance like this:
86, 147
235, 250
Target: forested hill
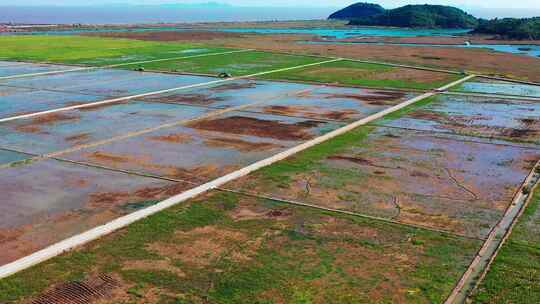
511, 28
358, 10
427, 16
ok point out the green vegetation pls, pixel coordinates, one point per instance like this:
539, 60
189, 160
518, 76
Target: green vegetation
237, 64
357, 10
513, 276
93, 50
511, 28
224, 248
367, 74
428, 16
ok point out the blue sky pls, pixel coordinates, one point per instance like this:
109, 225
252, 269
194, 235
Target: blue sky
533, 4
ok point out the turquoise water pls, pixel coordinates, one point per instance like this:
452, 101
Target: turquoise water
341, 33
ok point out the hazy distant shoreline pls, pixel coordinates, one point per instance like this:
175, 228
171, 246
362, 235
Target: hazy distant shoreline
168, 14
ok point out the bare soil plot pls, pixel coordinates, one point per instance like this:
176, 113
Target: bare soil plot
57, 131
205, 149
107, 82
47, 201
8, 70
229, 249
488, 86
444, 182
499, 118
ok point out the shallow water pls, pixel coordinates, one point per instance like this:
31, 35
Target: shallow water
353, 31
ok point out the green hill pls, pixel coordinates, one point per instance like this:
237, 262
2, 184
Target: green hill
511, 28
358, 10
427, 16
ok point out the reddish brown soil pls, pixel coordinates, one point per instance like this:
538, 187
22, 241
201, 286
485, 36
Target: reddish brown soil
240, 145
107, 199
309, 112
78, 137
199, 99
382, 98
169, 35
233, 86
162, 192
33, 126
100, 106
108, 157
177, 138
257, 127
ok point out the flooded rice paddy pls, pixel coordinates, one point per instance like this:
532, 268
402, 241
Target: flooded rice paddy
8, 69
487, 86
491, 117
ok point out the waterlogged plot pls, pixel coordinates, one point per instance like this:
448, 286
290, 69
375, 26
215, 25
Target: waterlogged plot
333, 103
47, 201
445, 182
488, 86
364, 74
232, 94
4, 64
231, 249
29, 68
20, 101
61, 130
107, 82
237, 64
509, 119
205, 149
7, 157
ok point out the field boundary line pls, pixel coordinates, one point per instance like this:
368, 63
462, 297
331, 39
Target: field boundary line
346, 212
496, 238
89, 68
100, 231
438, 134
196, 85
509, 80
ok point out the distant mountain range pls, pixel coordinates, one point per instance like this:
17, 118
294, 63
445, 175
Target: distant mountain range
427, 16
